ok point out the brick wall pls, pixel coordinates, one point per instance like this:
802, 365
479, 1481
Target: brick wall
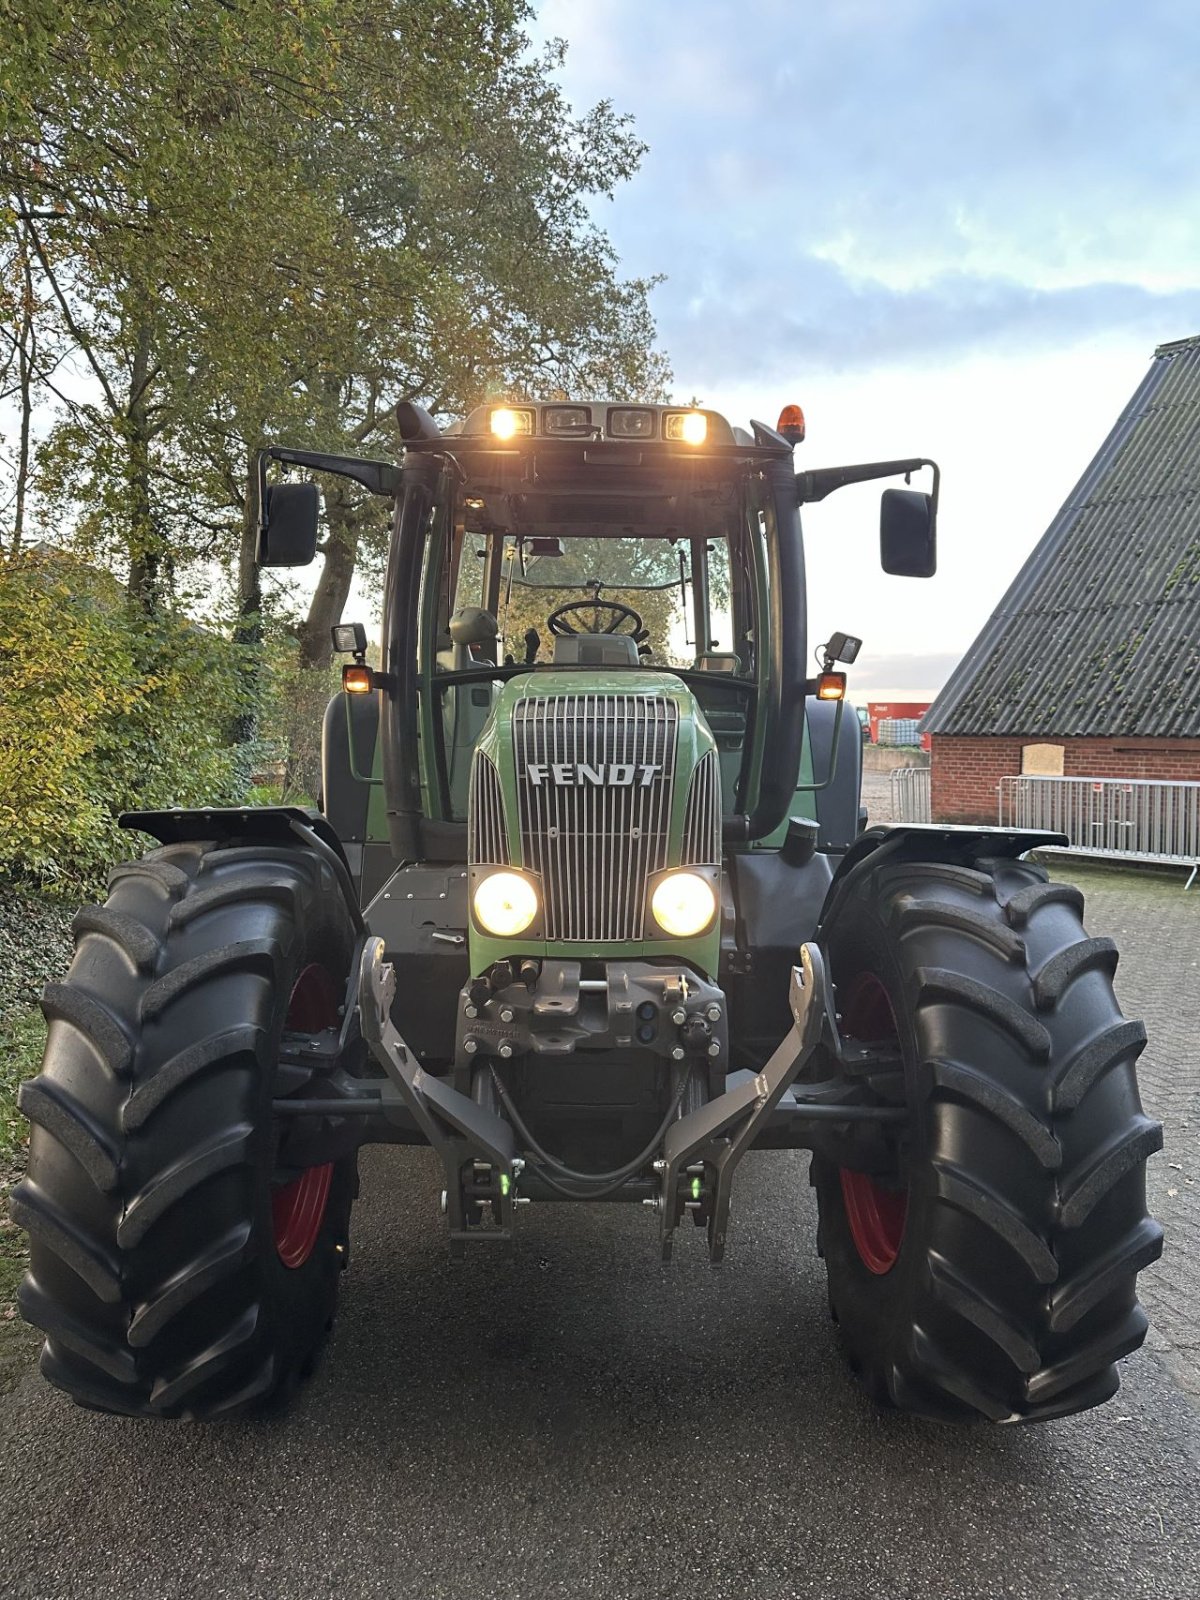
967, 771
966, 776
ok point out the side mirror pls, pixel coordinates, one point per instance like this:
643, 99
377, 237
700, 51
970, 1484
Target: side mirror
908, 533
287, 536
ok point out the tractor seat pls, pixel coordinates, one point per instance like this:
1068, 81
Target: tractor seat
596, 650
471, 639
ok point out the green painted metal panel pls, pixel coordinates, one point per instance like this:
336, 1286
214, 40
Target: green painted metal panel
693, 740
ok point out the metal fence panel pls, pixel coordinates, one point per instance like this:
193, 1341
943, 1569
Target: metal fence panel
1145, 819
910, 794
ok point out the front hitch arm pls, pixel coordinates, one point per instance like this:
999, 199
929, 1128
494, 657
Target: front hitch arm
717, 1135
462, 1130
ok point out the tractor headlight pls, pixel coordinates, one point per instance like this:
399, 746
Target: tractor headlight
683, 904
505, 904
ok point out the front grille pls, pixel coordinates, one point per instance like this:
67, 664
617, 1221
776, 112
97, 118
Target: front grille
702, 819
595, 840
485, 807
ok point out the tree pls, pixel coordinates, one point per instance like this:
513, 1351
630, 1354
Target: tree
477, 274
132, 136
247, 222
284, 218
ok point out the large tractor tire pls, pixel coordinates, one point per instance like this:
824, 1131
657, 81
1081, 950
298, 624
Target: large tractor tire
176, 1269
992, 1273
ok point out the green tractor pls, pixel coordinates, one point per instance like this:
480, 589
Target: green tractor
589, 906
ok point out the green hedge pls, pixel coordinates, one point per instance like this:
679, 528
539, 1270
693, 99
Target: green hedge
102, 711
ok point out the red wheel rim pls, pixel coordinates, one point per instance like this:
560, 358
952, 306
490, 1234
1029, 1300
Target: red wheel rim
876, 1215
298, 1209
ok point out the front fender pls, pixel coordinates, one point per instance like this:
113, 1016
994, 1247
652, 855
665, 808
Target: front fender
925, 841
270, 825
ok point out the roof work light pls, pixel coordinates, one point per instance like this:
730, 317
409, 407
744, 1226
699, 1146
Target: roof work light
687, 427
508, 421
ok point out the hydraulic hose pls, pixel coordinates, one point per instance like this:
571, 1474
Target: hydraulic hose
590, 1185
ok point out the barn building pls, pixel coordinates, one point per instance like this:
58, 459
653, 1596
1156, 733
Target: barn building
1090, 664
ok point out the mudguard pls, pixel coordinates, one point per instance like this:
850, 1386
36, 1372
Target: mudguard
926, 841
280, 825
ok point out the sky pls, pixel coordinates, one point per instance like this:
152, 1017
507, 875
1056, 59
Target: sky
947, 228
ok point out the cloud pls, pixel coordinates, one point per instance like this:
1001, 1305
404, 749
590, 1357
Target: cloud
817, 317
946, 227
877, 673
887, 180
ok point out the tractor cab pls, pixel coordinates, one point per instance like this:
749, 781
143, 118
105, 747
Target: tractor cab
626, 541
577, 552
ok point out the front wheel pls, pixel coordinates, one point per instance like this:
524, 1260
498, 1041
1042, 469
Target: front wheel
177, 1266
989, 1271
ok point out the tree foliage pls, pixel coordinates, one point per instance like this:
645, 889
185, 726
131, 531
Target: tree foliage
222, 223
280, 218
102, 710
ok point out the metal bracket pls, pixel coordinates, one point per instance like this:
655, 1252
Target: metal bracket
462, 1130
720, 1132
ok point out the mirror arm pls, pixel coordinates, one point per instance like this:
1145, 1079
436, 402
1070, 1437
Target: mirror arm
380, 477
813, 486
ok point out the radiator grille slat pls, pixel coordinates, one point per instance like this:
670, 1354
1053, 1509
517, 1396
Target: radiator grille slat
595, 843
702, 819
488, 841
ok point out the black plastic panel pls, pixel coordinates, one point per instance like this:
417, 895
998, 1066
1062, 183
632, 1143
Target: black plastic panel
838, 805
776, 910
420, 913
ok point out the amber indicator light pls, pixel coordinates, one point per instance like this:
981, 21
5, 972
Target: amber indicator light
358, 679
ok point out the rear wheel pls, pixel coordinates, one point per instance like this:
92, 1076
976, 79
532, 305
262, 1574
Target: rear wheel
990, 1271
178, 1267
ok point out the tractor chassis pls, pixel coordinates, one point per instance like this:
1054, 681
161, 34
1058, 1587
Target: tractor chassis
838, 1097
478, 1146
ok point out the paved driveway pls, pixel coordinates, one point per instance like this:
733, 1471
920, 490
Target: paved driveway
583, 1423
1157, 930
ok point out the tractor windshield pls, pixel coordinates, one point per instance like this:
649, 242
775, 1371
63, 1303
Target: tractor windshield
653, 578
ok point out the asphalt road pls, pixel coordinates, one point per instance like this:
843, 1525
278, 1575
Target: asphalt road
583, 1422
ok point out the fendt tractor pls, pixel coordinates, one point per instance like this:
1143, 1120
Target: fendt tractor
589, 905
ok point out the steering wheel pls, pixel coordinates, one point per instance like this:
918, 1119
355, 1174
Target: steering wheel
562, 629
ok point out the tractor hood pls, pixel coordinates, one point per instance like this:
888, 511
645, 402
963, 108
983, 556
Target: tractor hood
594, 784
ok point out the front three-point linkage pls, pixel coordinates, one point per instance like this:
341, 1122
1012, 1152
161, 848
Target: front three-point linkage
476, 1145
702, 1149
